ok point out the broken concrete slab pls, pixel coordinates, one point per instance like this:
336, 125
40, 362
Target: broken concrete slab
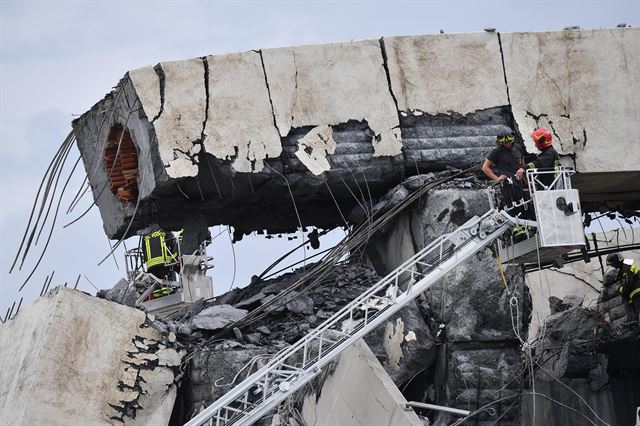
422, 69
403, 345
216, 317
581, 279
212, 372
314, 147
121, 293
71, 364
302, 304
146, 82
357, 391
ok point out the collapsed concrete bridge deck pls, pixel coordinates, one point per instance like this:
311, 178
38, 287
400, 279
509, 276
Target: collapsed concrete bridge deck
278, 138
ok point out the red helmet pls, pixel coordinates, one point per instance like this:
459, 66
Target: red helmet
542, 138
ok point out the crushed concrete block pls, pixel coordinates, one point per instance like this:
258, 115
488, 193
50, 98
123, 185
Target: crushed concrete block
217, 317
169, 357
129, 377
301, 305
254, 338
121, 293
254, 300
263, 329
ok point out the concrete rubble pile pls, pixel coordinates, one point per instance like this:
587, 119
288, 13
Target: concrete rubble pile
592, 351
446, 348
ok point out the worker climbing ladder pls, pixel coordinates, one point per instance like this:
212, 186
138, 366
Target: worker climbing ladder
293, 367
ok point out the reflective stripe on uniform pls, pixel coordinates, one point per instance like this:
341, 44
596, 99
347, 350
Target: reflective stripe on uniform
156, 240
164, 291
634, 293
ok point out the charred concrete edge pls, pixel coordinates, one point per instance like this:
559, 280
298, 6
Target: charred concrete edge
161, 78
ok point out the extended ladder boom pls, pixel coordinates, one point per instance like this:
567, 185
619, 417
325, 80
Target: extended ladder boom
293, 367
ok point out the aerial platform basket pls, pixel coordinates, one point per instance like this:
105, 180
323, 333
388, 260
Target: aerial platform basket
193, 282
557, 228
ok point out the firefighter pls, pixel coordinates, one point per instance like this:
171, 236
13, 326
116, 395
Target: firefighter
628, 279
547, 159
503, 161
502, 165
159, 251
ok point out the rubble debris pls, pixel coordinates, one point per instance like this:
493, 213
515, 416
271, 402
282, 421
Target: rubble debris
216, 317
121, 293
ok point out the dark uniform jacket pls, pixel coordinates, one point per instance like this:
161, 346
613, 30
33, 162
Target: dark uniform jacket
505, 161
547, 159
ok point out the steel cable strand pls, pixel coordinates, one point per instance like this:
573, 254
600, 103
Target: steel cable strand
35, 204
54, 177
574, 392
124, 235
53, 223
486, 406
55, 188
287, 254
350, 242
295, 207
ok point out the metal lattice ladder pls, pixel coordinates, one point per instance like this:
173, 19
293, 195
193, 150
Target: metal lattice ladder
293, 367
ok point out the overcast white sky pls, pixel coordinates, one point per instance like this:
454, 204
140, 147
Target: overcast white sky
58, 58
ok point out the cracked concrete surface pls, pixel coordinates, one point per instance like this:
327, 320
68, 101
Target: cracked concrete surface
71, 359
442, 73
146, 82
581, 85
240, 124
334, 83
581, 279
340, 397
180, 123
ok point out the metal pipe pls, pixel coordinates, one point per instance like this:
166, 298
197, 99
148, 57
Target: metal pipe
438, 408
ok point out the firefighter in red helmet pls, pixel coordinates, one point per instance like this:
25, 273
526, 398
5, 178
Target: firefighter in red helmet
548, 159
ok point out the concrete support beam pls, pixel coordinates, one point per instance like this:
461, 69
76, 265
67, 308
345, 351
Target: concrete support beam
222, 135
